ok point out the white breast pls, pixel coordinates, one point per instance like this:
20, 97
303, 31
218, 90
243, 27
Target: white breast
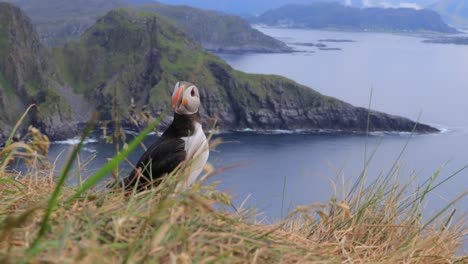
196, 147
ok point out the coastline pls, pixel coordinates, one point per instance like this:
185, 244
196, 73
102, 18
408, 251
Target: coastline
417, 34
129, 131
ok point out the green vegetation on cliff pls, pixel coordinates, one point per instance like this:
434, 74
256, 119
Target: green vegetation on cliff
143, 54
134, 52
138, 57
59, 21
26, 74
217, 31
22, 58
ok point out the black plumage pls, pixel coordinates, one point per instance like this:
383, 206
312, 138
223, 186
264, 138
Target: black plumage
164, 155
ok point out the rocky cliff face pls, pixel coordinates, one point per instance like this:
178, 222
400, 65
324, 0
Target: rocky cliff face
138, 57
59, 21
27, 77
216, 31
271, 102
141, 56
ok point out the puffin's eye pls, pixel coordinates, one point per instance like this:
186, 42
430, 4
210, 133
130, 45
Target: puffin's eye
192, 93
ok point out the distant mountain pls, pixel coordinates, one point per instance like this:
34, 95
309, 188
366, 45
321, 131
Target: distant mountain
244, 7
142, 55
337, 16
59, 21
455, 12
417, 4
138, 2
216, 31
256, 7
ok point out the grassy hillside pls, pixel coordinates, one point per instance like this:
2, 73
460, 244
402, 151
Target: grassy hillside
26, 75
137, 52
143, 55
59, 21
23, 64
44, 221
217, 31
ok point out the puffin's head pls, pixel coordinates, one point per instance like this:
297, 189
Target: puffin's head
185, 98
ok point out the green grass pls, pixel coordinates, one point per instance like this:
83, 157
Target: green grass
43, 220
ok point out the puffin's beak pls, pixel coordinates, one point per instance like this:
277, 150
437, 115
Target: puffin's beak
177, 100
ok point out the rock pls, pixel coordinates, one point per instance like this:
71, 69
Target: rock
214, 30
26, 78
218, 32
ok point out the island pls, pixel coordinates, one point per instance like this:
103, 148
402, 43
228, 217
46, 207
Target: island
335, 16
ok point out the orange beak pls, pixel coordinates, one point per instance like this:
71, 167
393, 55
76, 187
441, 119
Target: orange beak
176, 98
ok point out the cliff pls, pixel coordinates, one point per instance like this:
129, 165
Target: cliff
143, 55
27, 77
216, 31
139, 56
59, 21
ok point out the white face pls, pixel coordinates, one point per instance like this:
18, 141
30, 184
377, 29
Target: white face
185, 98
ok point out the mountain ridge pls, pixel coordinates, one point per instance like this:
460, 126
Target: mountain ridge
216, 31
336, 16
59, 21
139, 56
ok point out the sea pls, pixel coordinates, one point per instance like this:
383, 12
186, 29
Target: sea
274, 172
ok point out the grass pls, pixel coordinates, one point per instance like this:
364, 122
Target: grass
44, 221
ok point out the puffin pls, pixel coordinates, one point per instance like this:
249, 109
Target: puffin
184, 141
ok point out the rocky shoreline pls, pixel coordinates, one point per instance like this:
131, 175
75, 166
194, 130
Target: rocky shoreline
66, 135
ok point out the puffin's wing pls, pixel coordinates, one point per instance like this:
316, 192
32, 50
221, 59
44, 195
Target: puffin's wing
161, 158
